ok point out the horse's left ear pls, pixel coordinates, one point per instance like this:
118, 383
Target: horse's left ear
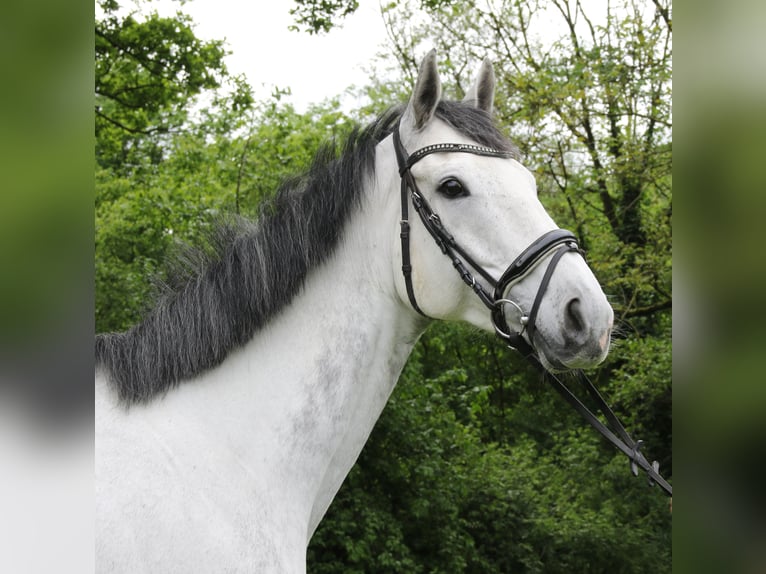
425, 98
482, 93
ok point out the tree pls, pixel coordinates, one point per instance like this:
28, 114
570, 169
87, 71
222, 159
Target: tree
147, 72
432, 492
316, 16
321, 16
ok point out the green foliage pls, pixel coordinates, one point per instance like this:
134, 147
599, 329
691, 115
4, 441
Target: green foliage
147, 70
432, 492
321, 16
223, 163
317, 16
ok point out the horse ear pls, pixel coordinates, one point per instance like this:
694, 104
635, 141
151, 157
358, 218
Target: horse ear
482, 93
425, 98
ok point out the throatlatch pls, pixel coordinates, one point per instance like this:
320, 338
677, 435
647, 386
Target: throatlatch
556, 242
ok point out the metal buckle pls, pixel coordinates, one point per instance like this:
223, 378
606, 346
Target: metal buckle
523, 319
635, 457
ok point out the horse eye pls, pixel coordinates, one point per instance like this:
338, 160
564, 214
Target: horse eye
452, 188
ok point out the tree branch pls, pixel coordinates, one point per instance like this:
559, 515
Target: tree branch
665, 13
137, 131
645, 311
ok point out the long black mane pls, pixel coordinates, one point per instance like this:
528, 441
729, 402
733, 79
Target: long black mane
217, 298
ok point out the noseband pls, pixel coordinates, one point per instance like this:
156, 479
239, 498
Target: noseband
558, 242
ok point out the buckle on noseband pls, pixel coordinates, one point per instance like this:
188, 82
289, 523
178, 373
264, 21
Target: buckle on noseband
556, 242
523, 318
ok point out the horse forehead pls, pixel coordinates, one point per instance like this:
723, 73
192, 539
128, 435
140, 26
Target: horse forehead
504, 173
439, 131
503, 170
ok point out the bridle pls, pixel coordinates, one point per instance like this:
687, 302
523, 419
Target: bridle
556, 243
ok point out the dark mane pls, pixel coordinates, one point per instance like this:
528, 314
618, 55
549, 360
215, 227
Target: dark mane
216, 299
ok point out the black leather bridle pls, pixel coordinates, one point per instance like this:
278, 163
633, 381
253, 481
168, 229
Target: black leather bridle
556, 243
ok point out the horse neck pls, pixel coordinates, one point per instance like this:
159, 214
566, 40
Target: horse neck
298, 402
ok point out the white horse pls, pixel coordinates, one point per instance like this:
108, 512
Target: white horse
227, 420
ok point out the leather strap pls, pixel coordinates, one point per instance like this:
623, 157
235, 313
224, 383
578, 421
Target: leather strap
610, 431
559, 240
531, 320
531, 255
450, 148
431, 220
404, 223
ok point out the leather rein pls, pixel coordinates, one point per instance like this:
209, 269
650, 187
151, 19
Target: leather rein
556, 242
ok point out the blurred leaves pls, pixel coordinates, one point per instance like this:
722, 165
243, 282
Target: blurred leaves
466, 503
317, 16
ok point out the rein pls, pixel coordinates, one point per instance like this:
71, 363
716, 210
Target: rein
556, 242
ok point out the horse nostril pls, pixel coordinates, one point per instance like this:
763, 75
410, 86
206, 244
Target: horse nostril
575, 322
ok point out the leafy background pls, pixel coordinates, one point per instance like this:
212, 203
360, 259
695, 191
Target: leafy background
474, 466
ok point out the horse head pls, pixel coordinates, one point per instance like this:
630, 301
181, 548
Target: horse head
517, 273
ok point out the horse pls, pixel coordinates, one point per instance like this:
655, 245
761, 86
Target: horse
227, 419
